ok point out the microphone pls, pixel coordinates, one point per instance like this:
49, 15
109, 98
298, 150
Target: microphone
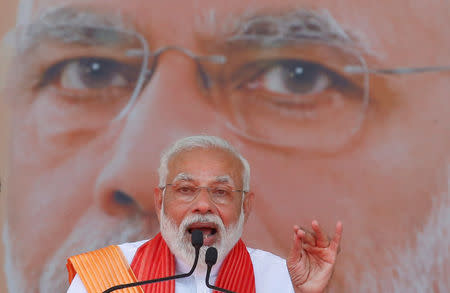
211, 259
197, 242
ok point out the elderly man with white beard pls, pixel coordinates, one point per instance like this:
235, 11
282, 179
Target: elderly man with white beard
208, 190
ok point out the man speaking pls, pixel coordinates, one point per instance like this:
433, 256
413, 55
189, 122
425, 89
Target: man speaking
204, 184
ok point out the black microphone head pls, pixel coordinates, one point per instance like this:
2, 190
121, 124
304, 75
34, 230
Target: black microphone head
211, 256
197, 238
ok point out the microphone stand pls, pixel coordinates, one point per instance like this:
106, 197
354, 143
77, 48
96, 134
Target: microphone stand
211, 259
197, 242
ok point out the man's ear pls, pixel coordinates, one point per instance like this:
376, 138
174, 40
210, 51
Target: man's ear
248, 204
158, 196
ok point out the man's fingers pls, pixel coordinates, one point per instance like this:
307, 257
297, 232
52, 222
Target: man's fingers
308, 238
321, 238
297, 246
336, 241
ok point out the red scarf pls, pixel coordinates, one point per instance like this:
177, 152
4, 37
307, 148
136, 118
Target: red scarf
155, 260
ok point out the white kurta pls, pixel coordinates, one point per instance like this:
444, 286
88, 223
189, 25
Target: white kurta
271, 274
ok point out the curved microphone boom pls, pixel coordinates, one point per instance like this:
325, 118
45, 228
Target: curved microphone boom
197, 242
211, 259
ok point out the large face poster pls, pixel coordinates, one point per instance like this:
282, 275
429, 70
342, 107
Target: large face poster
314, 94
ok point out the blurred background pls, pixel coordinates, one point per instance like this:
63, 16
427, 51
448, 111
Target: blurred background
7, 20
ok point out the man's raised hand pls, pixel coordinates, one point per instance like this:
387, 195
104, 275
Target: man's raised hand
312, 257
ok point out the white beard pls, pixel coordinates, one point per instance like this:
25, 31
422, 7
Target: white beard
179, 240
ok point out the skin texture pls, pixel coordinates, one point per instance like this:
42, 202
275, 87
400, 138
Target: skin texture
382, 184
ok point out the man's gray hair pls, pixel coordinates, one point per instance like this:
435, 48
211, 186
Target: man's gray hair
200, 142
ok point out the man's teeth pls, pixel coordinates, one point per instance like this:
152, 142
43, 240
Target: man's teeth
205, 231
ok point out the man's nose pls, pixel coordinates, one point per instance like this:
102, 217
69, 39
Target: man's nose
203, 203
172, 105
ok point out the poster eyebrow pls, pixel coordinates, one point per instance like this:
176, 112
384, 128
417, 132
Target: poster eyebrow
268, 28
58, 22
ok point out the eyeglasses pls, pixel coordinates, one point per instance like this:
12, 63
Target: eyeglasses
188, 192
308, 95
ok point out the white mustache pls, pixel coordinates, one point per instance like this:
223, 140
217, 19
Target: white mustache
195, 218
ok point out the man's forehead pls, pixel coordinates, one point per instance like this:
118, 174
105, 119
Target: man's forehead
203, 156
205, 163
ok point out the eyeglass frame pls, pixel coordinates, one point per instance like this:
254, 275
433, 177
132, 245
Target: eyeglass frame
199, 188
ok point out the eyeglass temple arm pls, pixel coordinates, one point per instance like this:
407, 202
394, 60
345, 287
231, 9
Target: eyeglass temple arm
400, 70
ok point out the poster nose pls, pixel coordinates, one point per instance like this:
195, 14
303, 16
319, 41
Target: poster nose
171, 106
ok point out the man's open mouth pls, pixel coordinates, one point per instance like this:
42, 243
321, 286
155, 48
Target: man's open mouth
206, 228
209, 231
